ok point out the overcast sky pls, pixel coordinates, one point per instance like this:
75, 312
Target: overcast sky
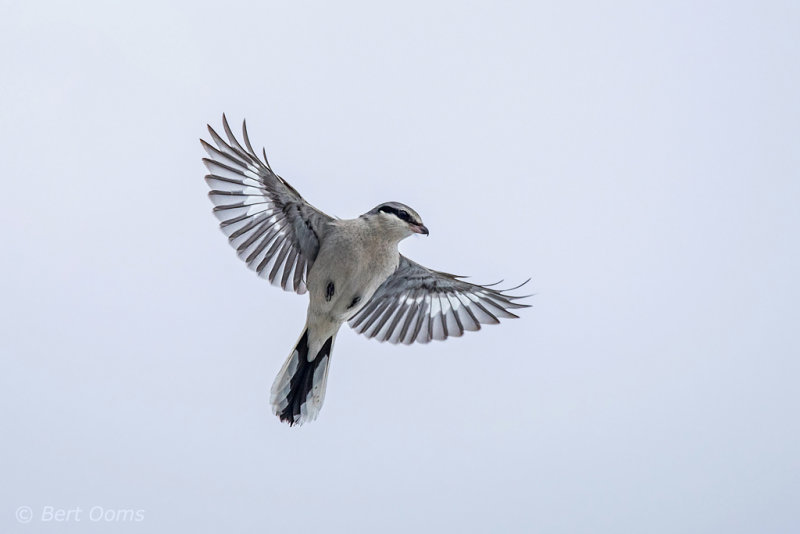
640, 162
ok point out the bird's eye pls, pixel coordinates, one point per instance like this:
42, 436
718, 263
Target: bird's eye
403, 214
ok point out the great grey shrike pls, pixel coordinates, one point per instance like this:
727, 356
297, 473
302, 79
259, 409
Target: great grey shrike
351, 269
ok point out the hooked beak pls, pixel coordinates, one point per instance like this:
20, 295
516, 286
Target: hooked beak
420, 229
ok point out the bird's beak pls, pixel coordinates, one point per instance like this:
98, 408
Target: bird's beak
420, 229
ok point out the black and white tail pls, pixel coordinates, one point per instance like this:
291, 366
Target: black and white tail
299, 389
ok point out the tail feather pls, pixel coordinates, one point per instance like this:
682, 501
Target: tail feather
299, 389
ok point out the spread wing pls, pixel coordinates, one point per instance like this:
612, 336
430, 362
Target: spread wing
419, 304
273, 229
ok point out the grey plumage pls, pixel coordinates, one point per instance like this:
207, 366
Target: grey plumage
351, 269
273, 229
424, 304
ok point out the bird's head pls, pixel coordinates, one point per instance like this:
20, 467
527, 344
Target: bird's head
398, 219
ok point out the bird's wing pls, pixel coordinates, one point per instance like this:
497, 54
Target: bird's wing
273, 229
418, 304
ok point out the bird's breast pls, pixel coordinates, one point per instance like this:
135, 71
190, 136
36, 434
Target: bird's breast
346, 274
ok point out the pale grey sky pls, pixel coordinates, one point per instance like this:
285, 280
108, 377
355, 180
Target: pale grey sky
638, 160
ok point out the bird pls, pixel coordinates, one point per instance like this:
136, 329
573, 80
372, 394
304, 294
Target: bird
351, 269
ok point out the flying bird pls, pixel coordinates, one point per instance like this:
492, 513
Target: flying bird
351, 269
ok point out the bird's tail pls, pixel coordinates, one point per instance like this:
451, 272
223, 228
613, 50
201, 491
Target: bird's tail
299, 389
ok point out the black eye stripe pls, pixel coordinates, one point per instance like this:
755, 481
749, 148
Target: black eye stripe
400, 214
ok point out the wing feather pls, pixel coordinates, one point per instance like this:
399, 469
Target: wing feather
273, 229
417, 304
